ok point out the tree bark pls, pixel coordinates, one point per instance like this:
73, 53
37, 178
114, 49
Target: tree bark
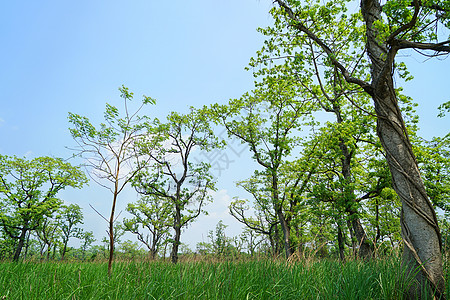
285, 227
420, 231
111, 229
340, 238
20, 243
176, 242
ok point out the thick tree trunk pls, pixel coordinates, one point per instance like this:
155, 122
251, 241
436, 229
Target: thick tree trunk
20, 244
27, 244
281, 217
365, 250
341, 242
175, 245
286, 233
420, 231
353, 238
176, 242
152, 253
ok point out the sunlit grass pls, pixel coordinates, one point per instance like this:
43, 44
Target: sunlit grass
324, 279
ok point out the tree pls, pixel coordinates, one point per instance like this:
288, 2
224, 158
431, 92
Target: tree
385, 30
174, 177
268, 121
220, 243
264, 220
130, 250
28, 190
71, 216
48, 233
154, 214
110, 151
87, 238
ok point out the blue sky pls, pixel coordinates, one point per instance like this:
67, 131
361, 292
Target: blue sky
71, 56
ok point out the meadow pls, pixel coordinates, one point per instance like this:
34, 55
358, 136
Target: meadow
261, 279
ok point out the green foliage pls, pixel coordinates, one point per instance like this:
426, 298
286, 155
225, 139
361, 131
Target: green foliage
152, 214
433, 158
174, 177
28, 190
443, 109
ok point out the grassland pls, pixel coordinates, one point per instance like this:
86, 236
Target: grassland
324, 279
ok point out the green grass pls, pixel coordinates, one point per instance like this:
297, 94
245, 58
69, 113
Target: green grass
202, 280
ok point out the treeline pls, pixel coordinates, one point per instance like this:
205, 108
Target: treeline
321, 188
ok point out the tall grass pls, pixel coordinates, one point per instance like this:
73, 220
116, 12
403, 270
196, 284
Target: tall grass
204, 280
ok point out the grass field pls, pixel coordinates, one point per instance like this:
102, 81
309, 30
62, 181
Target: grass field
203, 280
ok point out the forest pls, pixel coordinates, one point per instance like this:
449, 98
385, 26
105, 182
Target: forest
347, 200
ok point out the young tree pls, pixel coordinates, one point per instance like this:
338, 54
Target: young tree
220, 243
48, 233
174, 176
110, 151
264, 220
154, 214
28, 190
71, 216
87, 238
385, 30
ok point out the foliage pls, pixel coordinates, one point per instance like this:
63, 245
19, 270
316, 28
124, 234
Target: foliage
28, 190
174, 178
152, 214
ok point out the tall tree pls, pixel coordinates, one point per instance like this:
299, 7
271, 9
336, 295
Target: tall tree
387, 29
268, 121
28, 190
110, 152
174, 176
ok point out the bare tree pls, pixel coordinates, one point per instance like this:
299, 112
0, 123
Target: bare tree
110, 154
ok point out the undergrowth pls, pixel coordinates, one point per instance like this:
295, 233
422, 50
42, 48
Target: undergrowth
324, 279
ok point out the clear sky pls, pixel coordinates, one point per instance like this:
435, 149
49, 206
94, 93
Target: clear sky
71, 56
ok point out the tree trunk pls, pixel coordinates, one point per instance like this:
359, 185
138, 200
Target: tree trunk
176, 242
377, 222
286, 233
175, 245
27, 244
341, 242
111, 230
283, 222
420, 231
152, 253
20, 244
364, 247
48, 251
64, 250
352, 237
